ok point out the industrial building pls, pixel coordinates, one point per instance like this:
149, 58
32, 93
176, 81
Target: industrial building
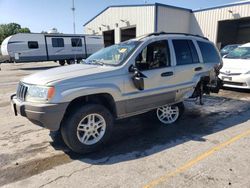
227, 24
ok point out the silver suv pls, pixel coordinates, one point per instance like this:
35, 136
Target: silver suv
153, 73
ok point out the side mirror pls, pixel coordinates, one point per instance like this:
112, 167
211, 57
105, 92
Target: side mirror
138, 78
138, 82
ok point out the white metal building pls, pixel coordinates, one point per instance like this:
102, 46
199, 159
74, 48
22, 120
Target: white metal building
223, 25
228, 24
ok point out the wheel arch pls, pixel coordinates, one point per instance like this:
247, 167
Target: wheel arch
104, 99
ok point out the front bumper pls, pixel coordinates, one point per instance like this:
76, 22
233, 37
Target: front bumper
44, 115
236, 81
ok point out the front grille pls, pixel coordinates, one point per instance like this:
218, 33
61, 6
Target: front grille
230, 74
235, 83
21, 91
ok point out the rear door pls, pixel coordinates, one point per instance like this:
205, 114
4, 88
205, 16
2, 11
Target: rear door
187, 62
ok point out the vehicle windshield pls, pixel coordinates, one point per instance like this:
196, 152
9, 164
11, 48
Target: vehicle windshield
229, 48
112, 55
239, 53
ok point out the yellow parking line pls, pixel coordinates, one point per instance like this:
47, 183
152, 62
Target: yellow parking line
195, 160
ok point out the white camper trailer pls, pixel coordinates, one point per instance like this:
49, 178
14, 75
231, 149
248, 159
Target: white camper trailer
30, 47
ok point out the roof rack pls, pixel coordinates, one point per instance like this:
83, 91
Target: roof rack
164, 33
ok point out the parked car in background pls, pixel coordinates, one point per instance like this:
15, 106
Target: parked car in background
228, 48
154, 74
64, 48
236, 68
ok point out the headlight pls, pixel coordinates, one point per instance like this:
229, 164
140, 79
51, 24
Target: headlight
247, 72
40, 93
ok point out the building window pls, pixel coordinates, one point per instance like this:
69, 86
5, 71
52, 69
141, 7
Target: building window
208, 52
57, 42
76, 42
185, 52
33, 44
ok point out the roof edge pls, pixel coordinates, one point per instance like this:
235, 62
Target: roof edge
136, 5
171, 6
222, 6
117, 6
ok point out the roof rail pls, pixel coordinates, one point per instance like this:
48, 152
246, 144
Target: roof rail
164, 33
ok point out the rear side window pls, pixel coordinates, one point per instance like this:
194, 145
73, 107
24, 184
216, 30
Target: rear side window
185, 52
76, 42
57, 42
33, 44
209, 53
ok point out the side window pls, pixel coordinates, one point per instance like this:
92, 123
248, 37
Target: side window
76, 42
57, 42
33, 44
193, 52
185, 52
208, 52
155, 55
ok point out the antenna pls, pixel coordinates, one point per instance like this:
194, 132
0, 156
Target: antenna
73, 10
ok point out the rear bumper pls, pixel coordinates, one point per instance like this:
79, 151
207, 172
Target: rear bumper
45, 115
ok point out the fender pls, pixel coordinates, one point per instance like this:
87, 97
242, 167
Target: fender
71, 94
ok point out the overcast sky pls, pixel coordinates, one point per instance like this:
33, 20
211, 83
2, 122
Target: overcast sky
42, 15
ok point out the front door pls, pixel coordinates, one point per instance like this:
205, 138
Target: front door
155, 66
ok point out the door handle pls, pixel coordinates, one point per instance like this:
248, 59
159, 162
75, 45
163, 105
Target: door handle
198, 69
165, 74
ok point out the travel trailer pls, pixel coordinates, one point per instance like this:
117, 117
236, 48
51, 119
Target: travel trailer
64, 48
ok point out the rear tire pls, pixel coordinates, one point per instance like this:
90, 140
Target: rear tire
87, 128
62, 62
169, 114
70, 61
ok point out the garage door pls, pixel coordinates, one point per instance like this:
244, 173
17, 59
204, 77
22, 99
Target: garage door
127, 34
233, 32
109, 38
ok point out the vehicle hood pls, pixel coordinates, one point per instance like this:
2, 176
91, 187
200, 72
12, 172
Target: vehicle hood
64, 73
235, 65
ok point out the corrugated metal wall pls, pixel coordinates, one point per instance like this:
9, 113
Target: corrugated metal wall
140, 16
204, 22
173, 20
208, 20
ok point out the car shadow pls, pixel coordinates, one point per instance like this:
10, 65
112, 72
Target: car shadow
140, 136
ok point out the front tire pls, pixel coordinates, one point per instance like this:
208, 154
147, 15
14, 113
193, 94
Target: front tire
87, 128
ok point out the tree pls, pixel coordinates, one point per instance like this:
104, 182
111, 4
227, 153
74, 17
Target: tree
11, 29
24, 30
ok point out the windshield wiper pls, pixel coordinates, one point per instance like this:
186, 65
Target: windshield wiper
229, 57
247, 57
96, 61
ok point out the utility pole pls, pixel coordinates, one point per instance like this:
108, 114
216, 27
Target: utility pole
74, 23
73, 10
